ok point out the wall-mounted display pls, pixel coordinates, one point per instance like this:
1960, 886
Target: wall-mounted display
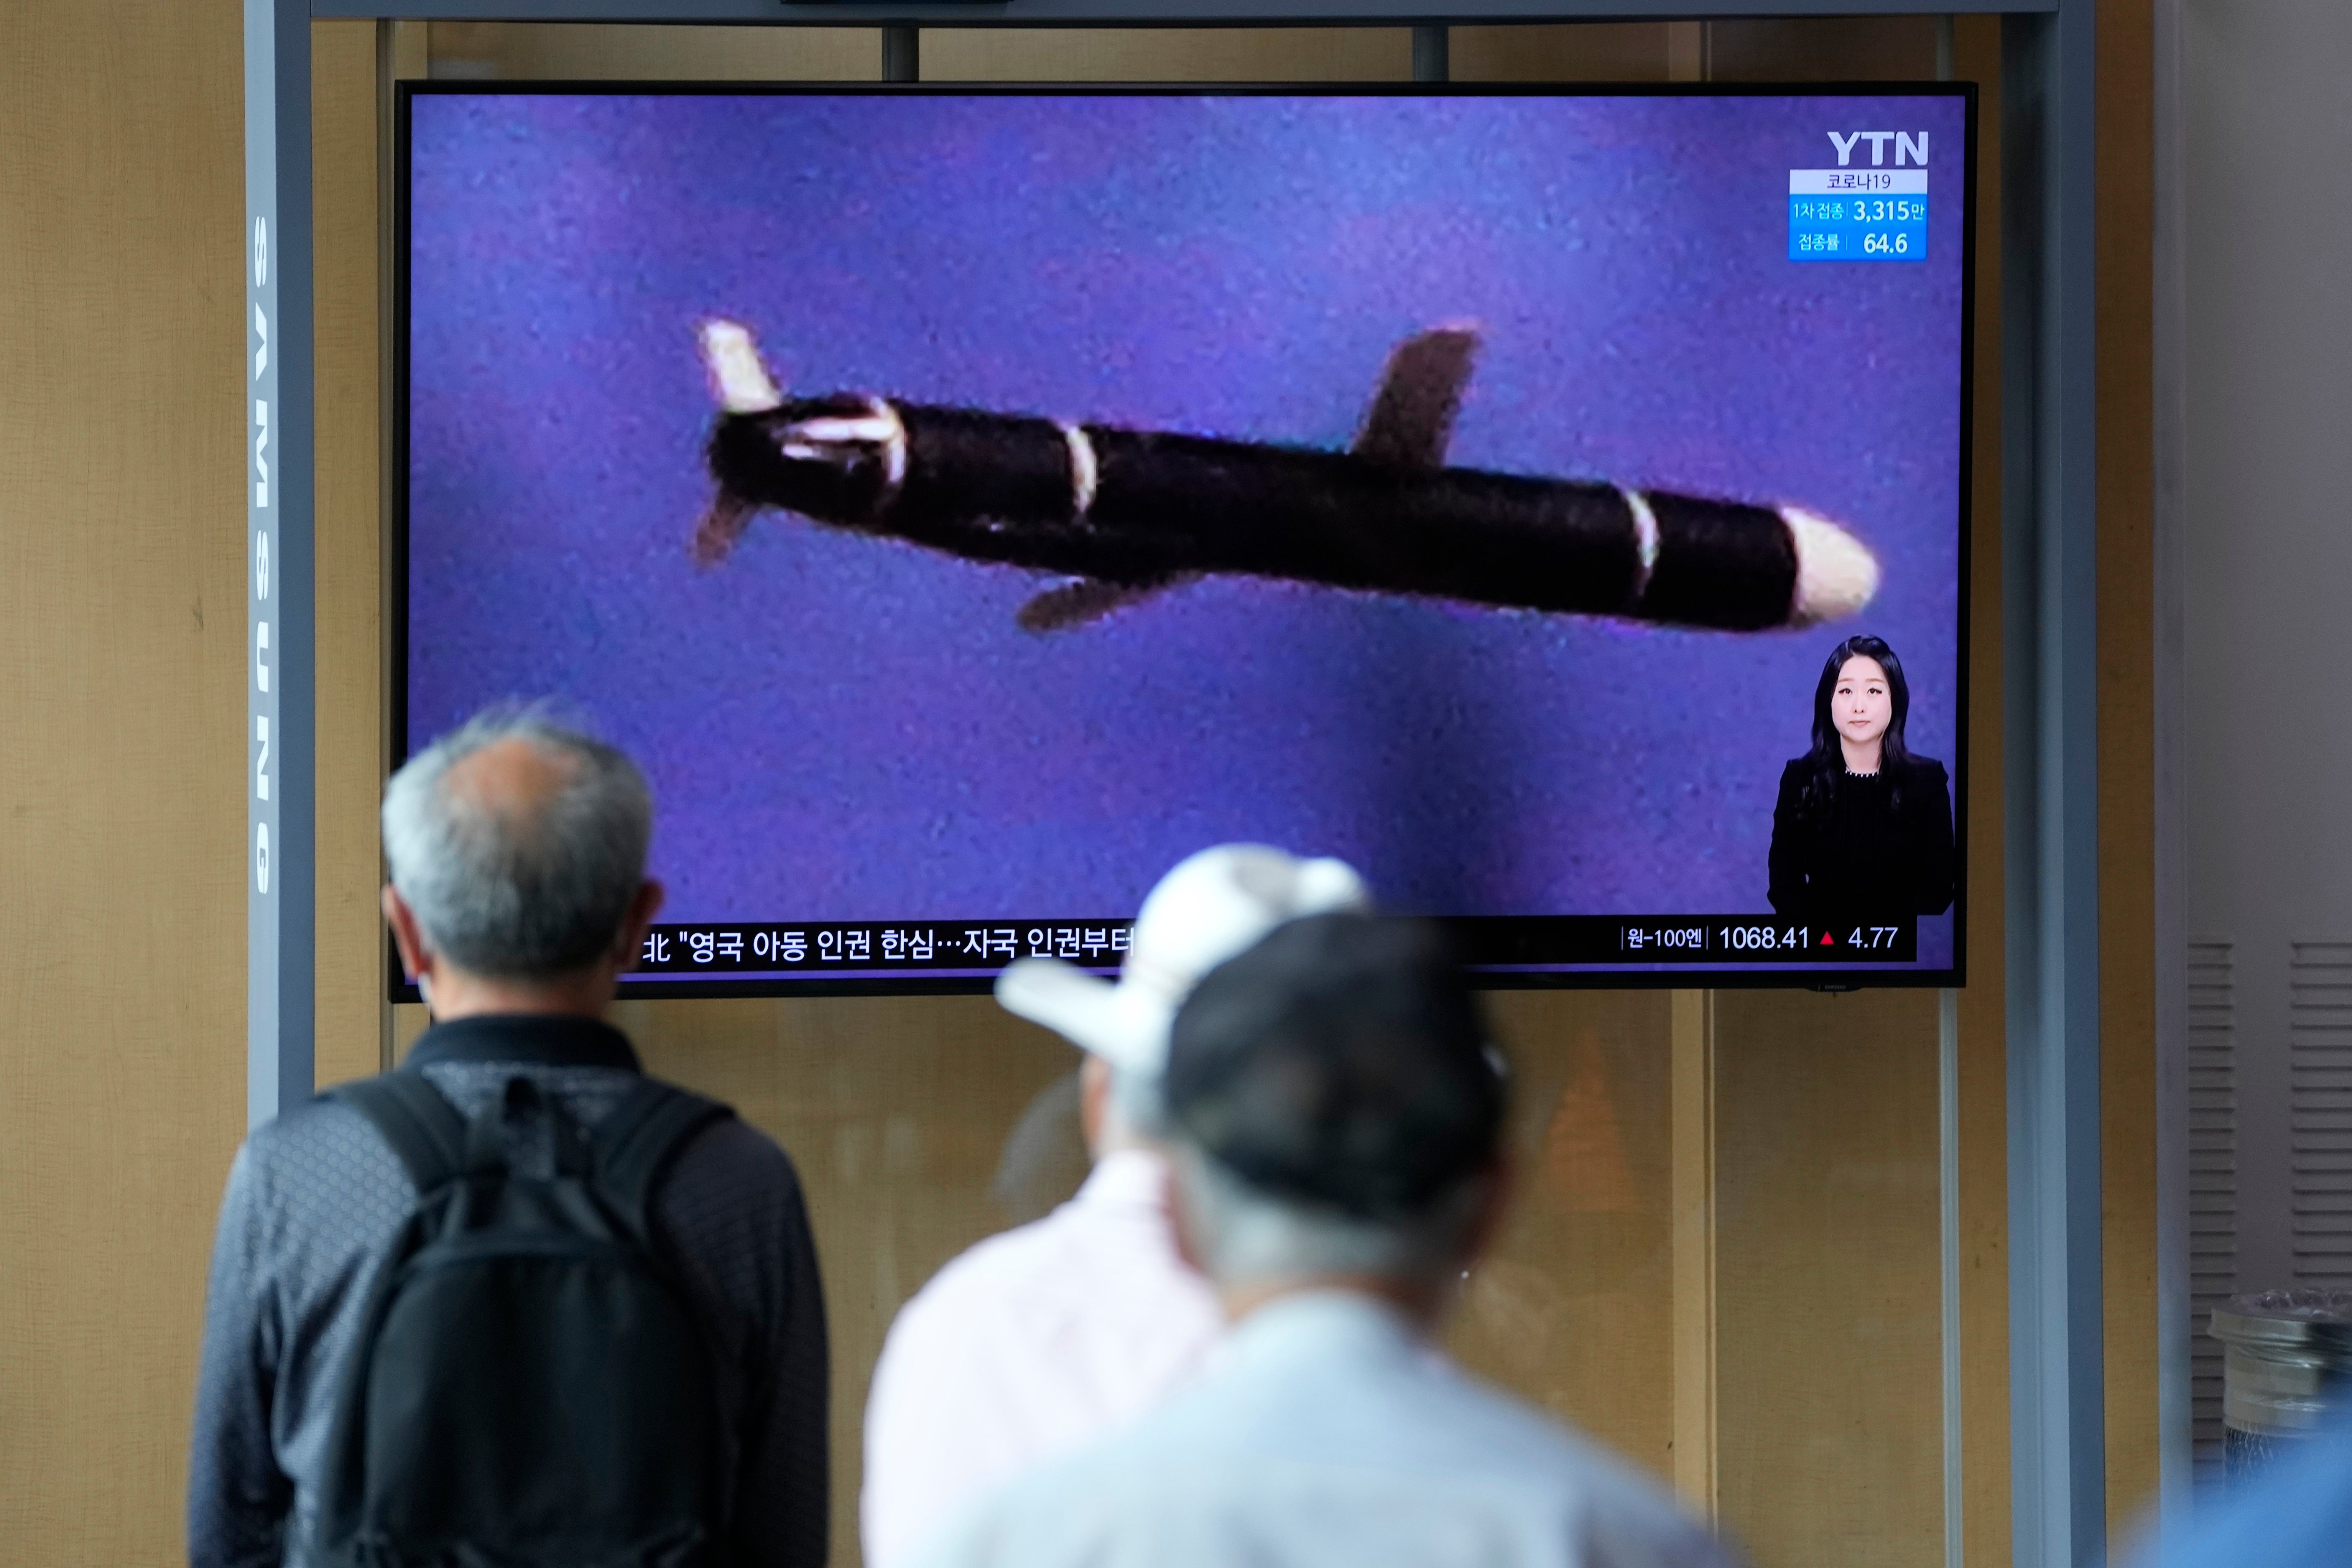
967, 502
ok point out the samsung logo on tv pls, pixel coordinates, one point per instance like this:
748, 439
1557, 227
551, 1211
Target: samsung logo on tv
259, 613
1908, 149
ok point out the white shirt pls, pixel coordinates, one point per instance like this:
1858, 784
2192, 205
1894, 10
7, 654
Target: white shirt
1327, 1433
1029, 1345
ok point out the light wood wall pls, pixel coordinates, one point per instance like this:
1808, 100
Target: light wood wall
347, 149
121, 775
1829, 1312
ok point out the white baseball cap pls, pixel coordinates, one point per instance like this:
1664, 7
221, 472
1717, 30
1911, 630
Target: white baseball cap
1213, 906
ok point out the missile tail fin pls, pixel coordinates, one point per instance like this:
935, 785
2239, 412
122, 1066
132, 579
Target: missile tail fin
722, 524
1411, 421
739, 382
1087, 600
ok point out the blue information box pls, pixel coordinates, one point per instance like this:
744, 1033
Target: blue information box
1857, 215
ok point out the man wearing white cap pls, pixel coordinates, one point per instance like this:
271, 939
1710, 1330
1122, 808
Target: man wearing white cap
1036, 1340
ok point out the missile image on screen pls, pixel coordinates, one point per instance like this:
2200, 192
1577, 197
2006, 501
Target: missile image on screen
1122, 515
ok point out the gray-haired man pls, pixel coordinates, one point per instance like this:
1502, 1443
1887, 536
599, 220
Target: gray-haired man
518, 897
1337, 1114
1036, 1340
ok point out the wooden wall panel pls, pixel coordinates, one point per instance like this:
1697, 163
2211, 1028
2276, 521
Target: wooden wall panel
123, 779
1828, 1312
1845, 48
1591, 52
1572, 1308
524, 51
347, 252
1208, 54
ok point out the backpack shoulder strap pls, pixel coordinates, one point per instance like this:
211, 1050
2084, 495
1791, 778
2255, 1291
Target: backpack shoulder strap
637, 1140
423, 1128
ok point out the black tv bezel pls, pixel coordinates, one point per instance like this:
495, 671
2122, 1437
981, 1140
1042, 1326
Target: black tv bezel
1813, 977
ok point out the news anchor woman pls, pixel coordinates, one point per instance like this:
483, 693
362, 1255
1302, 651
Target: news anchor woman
1863, 827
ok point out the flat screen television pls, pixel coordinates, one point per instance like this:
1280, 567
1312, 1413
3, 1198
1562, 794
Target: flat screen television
966, 502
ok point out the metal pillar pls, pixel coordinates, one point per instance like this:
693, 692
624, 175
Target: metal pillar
279, 861
1432, 47
902, 54
2049, 602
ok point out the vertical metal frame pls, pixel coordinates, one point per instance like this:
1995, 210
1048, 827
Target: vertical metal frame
2049, 603
2049, 531
280, 858
2175, 1325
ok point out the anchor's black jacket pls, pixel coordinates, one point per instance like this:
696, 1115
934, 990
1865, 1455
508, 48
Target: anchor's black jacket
1866, 846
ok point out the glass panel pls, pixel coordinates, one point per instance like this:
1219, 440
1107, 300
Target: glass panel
921, 1125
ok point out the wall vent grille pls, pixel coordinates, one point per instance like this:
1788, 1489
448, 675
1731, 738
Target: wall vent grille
2319, 1033
2212, 1170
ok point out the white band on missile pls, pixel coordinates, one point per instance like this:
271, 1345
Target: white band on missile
894, 449
1645, 543
1084, 474
818, 440
836, 431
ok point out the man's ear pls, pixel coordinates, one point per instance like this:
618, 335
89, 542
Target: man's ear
1183, 1221
642, 908
415, 958
1094, 1100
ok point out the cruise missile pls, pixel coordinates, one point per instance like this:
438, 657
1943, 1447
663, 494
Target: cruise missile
1120, 515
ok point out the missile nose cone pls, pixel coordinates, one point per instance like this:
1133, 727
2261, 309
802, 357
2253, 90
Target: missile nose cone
1836, 574
737, 380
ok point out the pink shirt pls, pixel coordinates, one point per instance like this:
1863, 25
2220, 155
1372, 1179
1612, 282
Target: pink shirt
1026, 1346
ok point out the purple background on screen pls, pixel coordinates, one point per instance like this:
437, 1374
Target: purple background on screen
843, 727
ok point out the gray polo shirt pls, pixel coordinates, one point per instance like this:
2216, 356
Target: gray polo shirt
314, 1199
1326, 1434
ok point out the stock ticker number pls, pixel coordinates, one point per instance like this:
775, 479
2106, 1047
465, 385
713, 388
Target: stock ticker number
1762, 939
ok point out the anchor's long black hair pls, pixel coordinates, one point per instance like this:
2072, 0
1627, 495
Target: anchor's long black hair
1828, 755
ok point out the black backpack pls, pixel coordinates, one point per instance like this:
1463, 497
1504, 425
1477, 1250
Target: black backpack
531, 1384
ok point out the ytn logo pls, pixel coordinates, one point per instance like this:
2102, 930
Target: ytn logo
1908, 149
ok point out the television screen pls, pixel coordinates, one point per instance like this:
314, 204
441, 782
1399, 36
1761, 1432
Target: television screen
965, 503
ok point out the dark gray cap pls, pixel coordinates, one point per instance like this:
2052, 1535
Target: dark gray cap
1341, 1061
